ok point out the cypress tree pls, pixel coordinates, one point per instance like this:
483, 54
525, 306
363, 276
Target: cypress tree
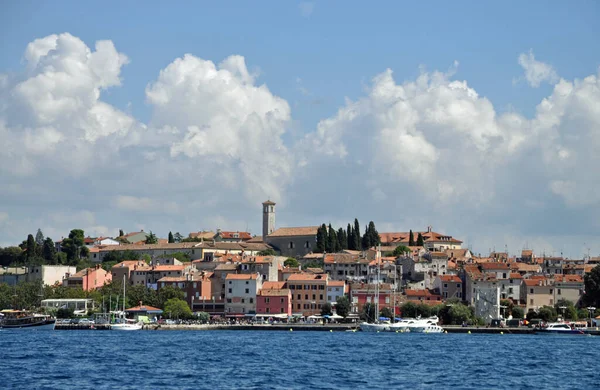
171, 239
121, 234
357, 244
39, 237
420, 241
321, 239
49, 251
374, 238
341, 239
332, 241
411, 239
349, 237
30, 246
366, 239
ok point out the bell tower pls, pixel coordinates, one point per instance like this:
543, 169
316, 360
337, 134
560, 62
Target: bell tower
268, 218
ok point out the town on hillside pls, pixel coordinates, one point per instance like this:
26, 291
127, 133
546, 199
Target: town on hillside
297, 273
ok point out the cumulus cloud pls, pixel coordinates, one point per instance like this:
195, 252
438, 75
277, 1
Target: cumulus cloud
146, 205
536, 72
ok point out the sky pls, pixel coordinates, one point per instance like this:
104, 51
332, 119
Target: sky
480, 120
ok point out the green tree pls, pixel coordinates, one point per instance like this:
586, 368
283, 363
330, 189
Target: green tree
71, 245
400, 250
61, 258
455, 314
357, 243
177, 308
332, 241
343, 306
39, 238
121, 234
10, 255
592, 287
203, 317
368, 312
291, 262
49, 251
545, 313
566, 309
411, 239
326, 309
342, 239
171, 238
409, 309
386, 312
30, 247
267, 252
517, 312
177, 237
151, 238
322, 239
349, 238
169, 292
420, 241
65, 313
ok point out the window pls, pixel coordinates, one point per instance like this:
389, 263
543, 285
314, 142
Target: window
457, 285
445, 285
247, 282
228, 300
445, 294
229, 291
230, 282
247, 291
267, 300
329, 298
551, 290
387, 299
299, 306
282, 310
306, 245
531, 301
321, 297
299, 296
291, 245
243, 300
282, 300
306, 296
504, 275
314, 296
268, 310
251, 300
510, 290
531, 291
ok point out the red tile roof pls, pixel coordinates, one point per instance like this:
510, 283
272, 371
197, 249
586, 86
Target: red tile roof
241, 277
306, 277
295, 231
450, 278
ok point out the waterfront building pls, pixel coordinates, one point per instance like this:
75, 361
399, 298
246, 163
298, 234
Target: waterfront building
240, 294
88, 279
335, 290
537, 292
308, 292
425, 296
343, 266
274, 300
363, 293
196, 286
449, 286
80, 306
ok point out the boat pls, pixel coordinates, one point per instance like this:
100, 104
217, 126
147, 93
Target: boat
18, 319
124, 323
428, 328
375, 326
559, 328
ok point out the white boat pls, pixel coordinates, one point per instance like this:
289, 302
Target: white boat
419, 325
429, 328
124, 323
402, 326
367, 327
560, 328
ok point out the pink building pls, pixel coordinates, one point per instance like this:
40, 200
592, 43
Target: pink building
274, 300
88, 279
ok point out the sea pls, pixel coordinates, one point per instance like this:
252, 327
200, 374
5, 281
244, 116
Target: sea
230, 359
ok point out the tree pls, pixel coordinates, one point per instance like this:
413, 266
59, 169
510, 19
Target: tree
177, 237
30, 247
171, 238
39, 238
322, 239
386, 312
151, 238
411, 239
342, 239
357, 243
342, 306
168, 292
517, 313
332, 241
400, 250
177, 308
592, 287
409, 309
566, 309
368, 312
420, 241
49, 251
121, 234
203, 317
291, 262
72, 245
371, 237
349, 238
267, 252
545, 313
326, 309
10, 255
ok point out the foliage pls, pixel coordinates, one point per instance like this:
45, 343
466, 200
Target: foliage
357, 245
140, 293
332, 241
39, 238
49, 251
71, 245
118, 256
177, 308
151, 238
267, 252
342, 239
411, 239
30, 251
569, 312
517, 312
168, 292
121, 233
455, 314
10, 255
322, 239
107, 265
410, 309
171, 238
146, 257
343, 306
420, 241
386, 312
368, 312
177, 237
83, 264
291, 262
544, 313
65, 313
592, 287
203, 317
326, 309
314, 264
371, 237
400, 250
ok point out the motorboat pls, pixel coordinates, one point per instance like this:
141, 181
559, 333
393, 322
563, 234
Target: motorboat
374, 327
402, 326
559, 328
127, 325
428, 328
17, 319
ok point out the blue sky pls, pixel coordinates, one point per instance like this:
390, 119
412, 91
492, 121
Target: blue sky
315, 55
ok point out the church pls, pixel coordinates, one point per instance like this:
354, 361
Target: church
289, 241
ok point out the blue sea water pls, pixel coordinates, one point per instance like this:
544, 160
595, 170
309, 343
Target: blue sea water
32, 359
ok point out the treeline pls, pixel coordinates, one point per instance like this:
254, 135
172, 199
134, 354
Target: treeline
331, 240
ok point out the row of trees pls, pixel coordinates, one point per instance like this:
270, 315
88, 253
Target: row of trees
331, 240
452, 312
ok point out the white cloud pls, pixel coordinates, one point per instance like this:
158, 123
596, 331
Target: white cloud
306, 8
536, 72
146, 205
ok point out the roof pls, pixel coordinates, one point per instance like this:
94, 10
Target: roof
420, 293
568, 278
274, 292
306, 276
492, 265
404, 237
515, 275
232, 235
295, 231
343, 258
241, 277
524, 267
336, 283
161, 268
205, 234
533, 282
450, 278
273, 285
144, 308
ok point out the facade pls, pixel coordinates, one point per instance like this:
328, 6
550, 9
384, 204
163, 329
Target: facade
431, 240
274, 302
135, 237
88, 279
537, 293
240, 294
423, 296
49, 274
487, 302
293, 242
362, 293
196, 286
308, 292
342, 266
449, 286
335, 290
569, 287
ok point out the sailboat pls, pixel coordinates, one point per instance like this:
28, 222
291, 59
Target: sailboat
375, 326
126, 324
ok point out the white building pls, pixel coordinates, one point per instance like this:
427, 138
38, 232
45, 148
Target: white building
49, 274
335, 289
240, 294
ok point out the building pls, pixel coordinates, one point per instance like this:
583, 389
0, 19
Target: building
293, 241
223, 236
363, 293
487, 302
423, 296
308, 292
537, 293
49, 274
135, 237
569, 287
80, 306
449, 286
144, 313
335, 290
268, 218
204, 235
274, 300
342, 266
240, 294
88, 279
431, 240
196, 286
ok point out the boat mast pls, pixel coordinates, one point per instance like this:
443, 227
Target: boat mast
377, 261
123, 294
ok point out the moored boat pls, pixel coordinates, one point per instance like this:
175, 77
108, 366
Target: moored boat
18, 319
559, 328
